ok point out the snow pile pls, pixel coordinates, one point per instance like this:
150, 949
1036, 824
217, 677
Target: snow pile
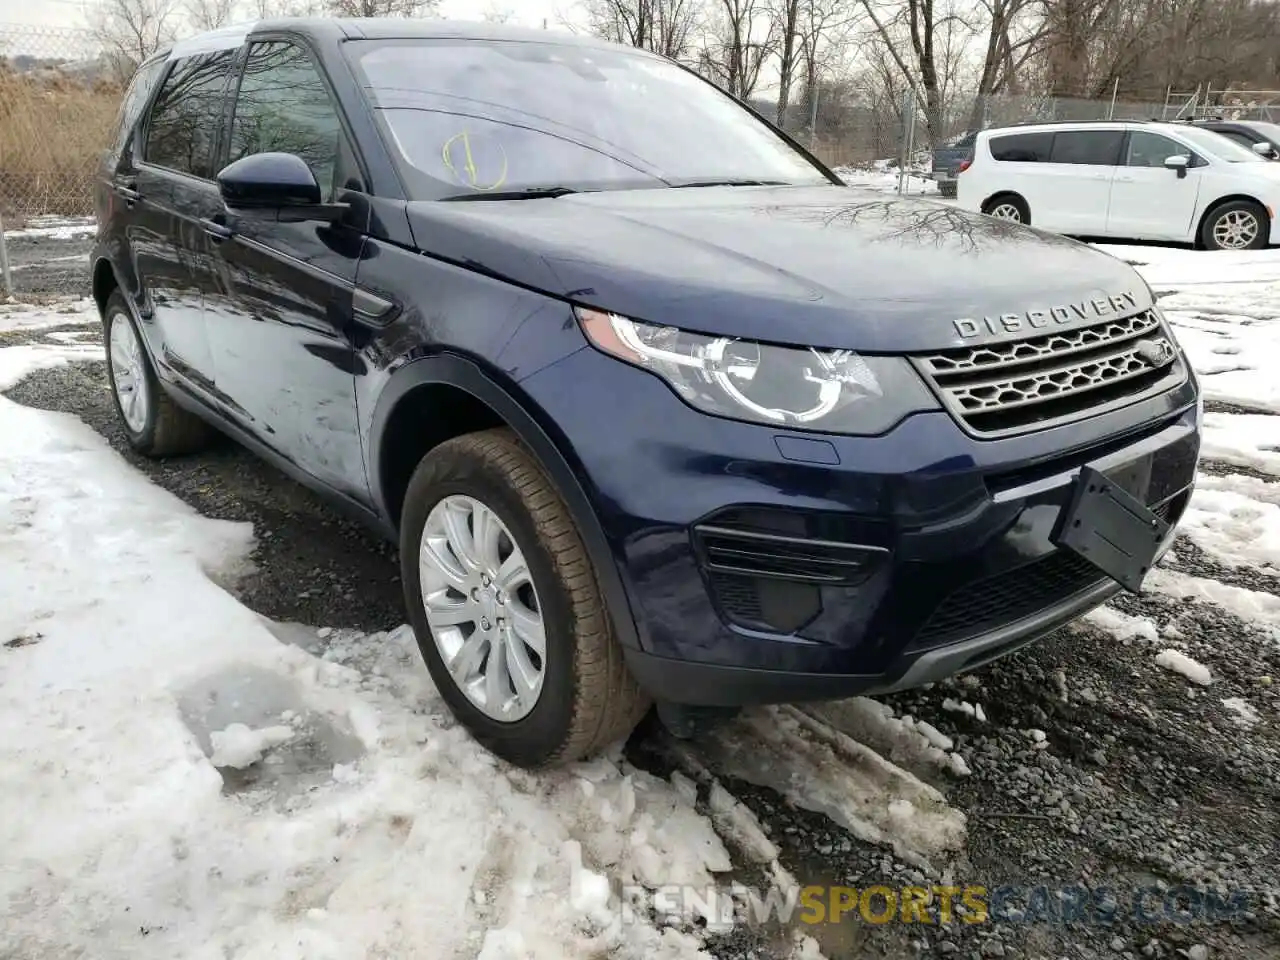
238, 746
1179, 662
113, 817
1243, 712
1122, 626
1234, 528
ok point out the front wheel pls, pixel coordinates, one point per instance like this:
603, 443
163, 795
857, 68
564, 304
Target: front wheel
506, 608
1238, 225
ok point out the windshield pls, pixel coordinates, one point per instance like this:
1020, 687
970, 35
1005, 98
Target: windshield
1269, 130
1224, 148
473, 116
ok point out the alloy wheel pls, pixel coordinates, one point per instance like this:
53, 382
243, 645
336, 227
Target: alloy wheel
482, 607
1235, 230
1006, 211
128, 373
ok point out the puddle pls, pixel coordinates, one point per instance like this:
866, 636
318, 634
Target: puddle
258, 699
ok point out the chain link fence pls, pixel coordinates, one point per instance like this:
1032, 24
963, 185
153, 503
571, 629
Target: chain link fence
57, 104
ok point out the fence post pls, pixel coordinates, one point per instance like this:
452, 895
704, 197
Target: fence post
6, 279
908, 129
1115, 88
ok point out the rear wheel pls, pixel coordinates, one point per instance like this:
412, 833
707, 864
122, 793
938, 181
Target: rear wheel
506, 608
1237, 225
1008, 206
154, 425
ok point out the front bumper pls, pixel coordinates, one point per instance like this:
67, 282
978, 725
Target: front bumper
765, 566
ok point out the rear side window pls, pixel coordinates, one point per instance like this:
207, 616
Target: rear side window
135, 98
1094, 147
1022, 147
284, 106
187, 113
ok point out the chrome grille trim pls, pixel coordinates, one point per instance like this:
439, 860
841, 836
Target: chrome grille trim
1041, 381
1001, 355
1038, 385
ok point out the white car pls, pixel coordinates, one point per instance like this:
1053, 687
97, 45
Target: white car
1132, 179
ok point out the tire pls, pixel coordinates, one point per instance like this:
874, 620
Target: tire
587, 699
1218, 226
947, 189
1008, 206
153, 423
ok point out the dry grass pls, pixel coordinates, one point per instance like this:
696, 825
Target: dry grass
52, 133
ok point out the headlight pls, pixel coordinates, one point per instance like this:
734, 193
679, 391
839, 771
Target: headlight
835, 391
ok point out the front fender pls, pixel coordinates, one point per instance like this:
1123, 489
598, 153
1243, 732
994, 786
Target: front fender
464, 374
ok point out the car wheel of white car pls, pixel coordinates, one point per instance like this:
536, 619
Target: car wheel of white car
1238, 225
1007, 207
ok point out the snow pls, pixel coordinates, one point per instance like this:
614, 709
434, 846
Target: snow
55, 228
394, 833
238, 746
25, 316
885, 181
1243, 712
1179, 662
1236, 529
1121, 625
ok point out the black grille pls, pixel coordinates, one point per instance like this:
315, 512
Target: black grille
1004, 598
1006, 387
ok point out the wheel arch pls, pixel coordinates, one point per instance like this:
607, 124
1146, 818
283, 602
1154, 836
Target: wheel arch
1000, 194
105, 282
401, 433
1209, 209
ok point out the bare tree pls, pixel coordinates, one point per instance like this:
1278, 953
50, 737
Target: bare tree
268, 9
381, 8
209, 14
496, 14
129, 31
740, 41
666, 27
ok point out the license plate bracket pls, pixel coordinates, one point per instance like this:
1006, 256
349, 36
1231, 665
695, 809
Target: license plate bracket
1109, 527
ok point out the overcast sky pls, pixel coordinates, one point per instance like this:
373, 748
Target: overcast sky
71, 13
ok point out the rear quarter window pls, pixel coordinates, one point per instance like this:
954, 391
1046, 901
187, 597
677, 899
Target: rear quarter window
131, 106
1022, 147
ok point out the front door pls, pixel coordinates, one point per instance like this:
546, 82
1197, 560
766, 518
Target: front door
280, 316
1148, 200
171, 190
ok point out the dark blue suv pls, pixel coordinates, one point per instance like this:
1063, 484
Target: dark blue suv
657, 408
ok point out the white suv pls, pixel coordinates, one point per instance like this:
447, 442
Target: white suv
1130, 179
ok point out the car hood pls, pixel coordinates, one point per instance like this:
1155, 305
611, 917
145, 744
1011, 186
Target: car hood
826, 266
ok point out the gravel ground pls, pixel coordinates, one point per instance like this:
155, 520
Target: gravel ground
42, 266
1093, 766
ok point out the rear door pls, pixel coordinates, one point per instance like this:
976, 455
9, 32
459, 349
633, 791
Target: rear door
1020, 165
281, 316
1082, 164
1148, 200
172, 194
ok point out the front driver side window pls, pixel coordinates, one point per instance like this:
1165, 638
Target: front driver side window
283, 106
1151, 150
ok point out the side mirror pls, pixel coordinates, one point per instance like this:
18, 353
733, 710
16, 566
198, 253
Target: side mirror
1178, 163
275, 186
1264, 149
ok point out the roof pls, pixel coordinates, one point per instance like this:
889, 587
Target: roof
388, 28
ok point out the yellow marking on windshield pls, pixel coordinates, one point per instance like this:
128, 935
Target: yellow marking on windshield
470, 175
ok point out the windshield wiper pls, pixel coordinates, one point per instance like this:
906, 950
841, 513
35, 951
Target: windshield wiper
731, 183
532, 193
